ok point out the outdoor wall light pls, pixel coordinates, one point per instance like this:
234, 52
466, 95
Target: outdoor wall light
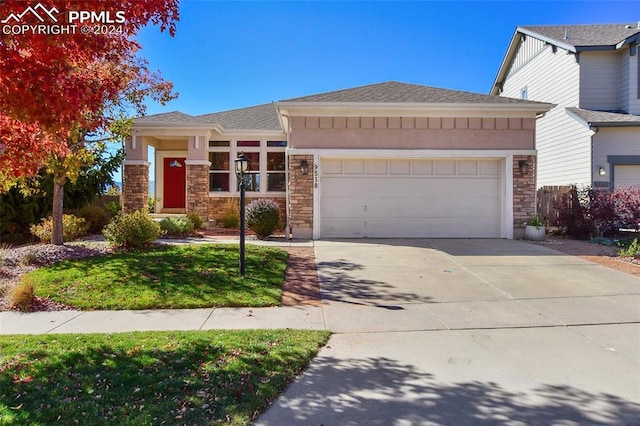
304, 167
524, 166
602, 171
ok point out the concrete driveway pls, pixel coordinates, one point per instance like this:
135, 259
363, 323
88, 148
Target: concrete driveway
468, 332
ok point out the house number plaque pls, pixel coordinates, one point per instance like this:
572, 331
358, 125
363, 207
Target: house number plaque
315, 175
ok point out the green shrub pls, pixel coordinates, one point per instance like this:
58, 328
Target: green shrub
632, 251
174, 225
196, 220
263, 217
231, 220
97, 218
151, 204
73, 227
113, 207
136, 229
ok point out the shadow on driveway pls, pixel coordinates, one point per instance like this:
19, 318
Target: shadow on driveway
340, 282
384, 391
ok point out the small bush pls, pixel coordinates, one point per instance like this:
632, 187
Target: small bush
29, 258
72, 227
632, 251
97, 218
263, 217
231, 218
176, 225
573, 213
196, 220
21, 296
151, 204
131, 230
113, 207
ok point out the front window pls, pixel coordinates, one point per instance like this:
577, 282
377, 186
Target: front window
219, 171
276, 176
267, 165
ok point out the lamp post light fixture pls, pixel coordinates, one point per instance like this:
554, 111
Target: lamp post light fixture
242, 165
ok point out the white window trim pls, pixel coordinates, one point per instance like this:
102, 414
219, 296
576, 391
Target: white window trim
234, 150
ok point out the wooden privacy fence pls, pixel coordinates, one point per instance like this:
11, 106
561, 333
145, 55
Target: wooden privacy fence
547, 199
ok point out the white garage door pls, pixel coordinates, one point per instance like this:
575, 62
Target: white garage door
410, 198
626, 175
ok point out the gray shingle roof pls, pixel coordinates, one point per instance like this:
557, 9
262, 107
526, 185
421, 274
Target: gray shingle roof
605, 118
260, 117
585, 35
265, 117
167, 117
395, 92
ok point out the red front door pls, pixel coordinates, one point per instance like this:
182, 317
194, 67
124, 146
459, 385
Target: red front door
175, 183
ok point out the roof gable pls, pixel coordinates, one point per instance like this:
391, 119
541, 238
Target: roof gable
572, 38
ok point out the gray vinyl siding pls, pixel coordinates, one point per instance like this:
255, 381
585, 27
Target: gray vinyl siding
600, 80
613, 141
629, 79
625, 86
564, 146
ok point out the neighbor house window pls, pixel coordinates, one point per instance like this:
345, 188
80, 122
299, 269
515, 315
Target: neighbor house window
524, 93
267, 165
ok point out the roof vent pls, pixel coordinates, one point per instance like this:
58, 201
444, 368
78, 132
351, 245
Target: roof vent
566, 36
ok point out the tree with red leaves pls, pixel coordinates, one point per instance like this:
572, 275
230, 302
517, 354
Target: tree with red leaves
58, 87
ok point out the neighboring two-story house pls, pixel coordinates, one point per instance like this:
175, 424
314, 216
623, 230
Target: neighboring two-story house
591, 72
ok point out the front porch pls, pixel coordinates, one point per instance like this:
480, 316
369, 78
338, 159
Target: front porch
181, 173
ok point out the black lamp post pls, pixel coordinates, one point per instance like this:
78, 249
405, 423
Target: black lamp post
242, 165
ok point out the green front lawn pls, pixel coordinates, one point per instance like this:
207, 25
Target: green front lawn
149, 377
186, 276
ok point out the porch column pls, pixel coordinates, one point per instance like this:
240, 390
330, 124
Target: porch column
198, 176
135, 187
524, 193
300, 220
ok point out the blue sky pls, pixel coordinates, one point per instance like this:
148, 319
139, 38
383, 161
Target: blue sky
234, 54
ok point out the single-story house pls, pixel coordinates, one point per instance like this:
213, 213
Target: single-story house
383, 160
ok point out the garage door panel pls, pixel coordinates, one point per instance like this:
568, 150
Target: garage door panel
415, 198
421, 208
400, 187
627, 175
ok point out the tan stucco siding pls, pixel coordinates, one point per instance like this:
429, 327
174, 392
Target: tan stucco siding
412, 132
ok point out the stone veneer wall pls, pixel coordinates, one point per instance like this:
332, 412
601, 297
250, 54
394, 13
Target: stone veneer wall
300, 197
218, 206
197, 190
524, 193
135, 187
